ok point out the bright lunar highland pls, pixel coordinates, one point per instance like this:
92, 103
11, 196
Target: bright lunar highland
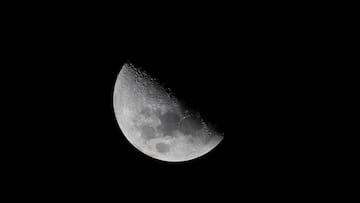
156, 122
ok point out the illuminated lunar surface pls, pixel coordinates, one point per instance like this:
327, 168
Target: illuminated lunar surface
155, 122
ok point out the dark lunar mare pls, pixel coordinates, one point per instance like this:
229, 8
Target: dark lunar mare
162, 147
190, 125
146, 112
147, 132
169, 122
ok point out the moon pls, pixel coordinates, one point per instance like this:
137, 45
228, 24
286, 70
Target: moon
155, 122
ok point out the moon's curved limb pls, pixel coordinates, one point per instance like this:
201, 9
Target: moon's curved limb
140, 101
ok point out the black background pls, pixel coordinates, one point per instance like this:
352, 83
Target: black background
262, 80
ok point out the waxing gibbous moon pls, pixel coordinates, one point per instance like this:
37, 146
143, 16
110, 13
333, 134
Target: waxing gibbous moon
155, 122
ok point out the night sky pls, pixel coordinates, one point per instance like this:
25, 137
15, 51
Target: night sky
260, 81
